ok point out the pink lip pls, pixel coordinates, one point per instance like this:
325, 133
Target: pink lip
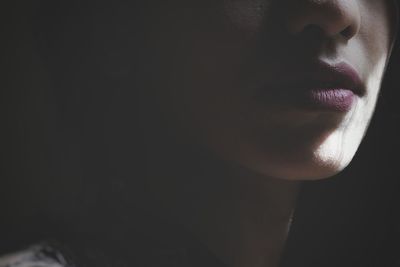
340, 75
336, 99
317, 86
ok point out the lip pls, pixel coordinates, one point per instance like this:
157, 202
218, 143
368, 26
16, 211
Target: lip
331, 87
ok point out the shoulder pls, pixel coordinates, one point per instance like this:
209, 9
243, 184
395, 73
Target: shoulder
41, 255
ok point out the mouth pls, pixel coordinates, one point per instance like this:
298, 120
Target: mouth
319, 86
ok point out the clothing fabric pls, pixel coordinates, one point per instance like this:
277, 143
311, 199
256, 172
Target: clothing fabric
46, 255
41, 255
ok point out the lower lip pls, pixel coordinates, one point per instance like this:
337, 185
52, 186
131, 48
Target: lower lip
337, 99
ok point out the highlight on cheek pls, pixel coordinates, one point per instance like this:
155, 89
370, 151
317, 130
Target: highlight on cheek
374, 80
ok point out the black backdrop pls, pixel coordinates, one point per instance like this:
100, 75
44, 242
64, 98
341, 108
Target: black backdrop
351, 220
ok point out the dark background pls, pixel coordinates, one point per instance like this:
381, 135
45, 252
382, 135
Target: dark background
56, 109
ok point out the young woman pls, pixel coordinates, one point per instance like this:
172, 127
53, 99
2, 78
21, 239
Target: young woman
181, 130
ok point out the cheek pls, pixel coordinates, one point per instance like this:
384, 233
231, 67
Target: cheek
247, 16
370, 53
376, 32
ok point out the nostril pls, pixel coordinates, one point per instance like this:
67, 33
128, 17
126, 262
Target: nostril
339, 18
316, 32
347, 33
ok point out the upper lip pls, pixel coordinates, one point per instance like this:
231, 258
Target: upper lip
321, 76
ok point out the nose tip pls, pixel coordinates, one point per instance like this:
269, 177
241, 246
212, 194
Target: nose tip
332, 17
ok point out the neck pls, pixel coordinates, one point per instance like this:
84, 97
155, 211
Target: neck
243, 218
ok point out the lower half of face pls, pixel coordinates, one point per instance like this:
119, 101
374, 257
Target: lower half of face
282, 105
288, 141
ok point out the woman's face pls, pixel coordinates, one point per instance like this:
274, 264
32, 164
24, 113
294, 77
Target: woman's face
285, 88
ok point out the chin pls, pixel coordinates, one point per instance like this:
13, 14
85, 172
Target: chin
311, 172
302, 165
311, 162
299, 170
